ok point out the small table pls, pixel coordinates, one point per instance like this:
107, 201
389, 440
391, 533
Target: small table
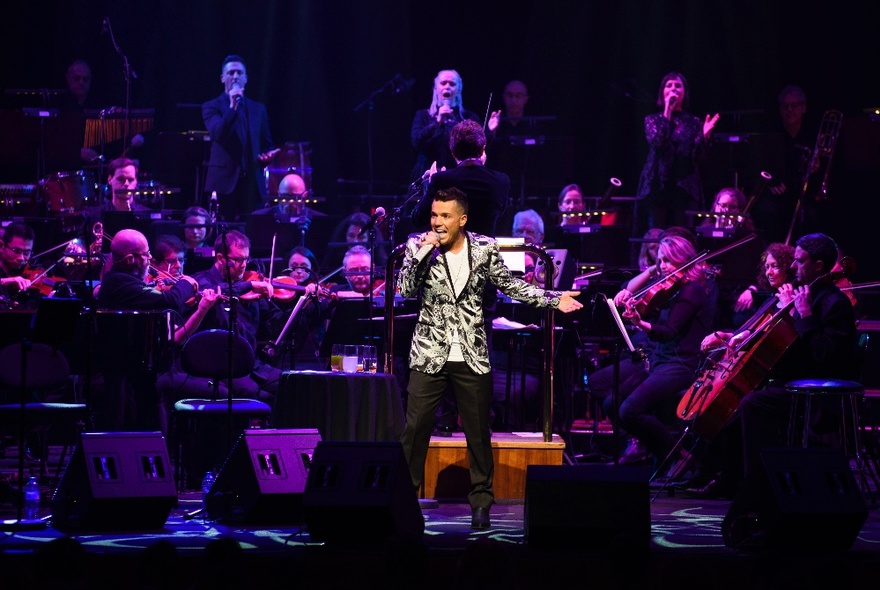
342, 406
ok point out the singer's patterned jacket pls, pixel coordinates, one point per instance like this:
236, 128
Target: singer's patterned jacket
441, 311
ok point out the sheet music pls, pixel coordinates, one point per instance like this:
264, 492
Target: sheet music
619, 321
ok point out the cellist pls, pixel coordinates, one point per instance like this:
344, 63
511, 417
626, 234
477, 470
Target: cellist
824, 320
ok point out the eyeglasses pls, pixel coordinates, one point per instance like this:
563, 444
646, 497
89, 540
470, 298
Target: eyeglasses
239, 259
176, 260
19, 251
142, 254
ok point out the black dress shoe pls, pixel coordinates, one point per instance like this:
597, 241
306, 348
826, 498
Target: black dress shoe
715, 489
480, 518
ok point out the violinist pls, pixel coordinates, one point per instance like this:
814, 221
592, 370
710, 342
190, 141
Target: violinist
356, 267
310, 323
825, 323
128, 398
16, 248
168, 259
255, 318
675, 330
124, 285
197, 234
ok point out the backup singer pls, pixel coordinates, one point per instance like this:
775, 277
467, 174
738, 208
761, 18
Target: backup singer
431, 127
242, 143
448, 269
670, 184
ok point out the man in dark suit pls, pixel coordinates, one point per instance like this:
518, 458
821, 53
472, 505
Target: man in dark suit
241, 144
486, 189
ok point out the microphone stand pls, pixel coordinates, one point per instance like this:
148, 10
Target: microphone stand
128, 73
397, 84
233, 302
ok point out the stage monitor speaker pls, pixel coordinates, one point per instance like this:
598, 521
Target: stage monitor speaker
116, 481
592, 507
359, 493
263, 478
807, 501
563, 269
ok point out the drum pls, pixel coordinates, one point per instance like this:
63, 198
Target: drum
134, 340
294, 158
68, 192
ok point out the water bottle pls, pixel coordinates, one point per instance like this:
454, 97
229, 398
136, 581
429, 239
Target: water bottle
206, 488
32, 499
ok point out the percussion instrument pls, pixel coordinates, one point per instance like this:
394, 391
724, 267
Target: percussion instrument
68, 192
293, 158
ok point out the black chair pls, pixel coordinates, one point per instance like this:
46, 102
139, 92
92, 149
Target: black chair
45, 370
849, 396
199, 425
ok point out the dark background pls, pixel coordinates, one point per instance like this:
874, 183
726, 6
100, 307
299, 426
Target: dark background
593, 65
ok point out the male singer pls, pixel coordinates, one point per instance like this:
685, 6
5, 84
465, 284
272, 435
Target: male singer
448, 269
241, 144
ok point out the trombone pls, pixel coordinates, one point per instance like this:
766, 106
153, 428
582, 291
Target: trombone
826, 141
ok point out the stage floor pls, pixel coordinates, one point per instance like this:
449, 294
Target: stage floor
685, 547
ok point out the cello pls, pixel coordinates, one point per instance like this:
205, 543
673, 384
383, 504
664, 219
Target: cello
735, 370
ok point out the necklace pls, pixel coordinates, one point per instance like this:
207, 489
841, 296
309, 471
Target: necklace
460, 260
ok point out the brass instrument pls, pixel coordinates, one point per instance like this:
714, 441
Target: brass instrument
763, 181
826, 141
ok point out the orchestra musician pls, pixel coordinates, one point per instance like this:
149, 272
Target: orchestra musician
675, 328
825, 338
128, 401
16, 247
356, 266
256, 316
169, 257
122, 181
309, 325
486, 189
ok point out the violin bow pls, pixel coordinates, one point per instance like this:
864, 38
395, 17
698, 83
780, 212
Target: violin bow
488, 109
272, 256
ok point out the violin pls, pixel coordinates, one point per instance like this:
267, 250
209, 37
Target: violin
40, 281
658, 293
285, 288
655, 295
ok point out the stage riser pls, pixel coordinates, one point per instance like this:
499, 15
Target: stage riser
446, 468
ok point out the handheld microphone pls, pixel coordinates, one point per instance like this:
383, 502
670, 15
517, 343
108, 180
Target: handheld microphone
236, 85
446, 103
378, 216
673, 98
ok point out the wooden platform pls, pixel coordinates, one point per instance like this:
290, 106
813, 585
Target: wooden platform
446, 467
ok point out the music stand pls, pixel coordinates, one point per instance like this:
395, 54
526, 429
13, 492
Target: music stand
55, 321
